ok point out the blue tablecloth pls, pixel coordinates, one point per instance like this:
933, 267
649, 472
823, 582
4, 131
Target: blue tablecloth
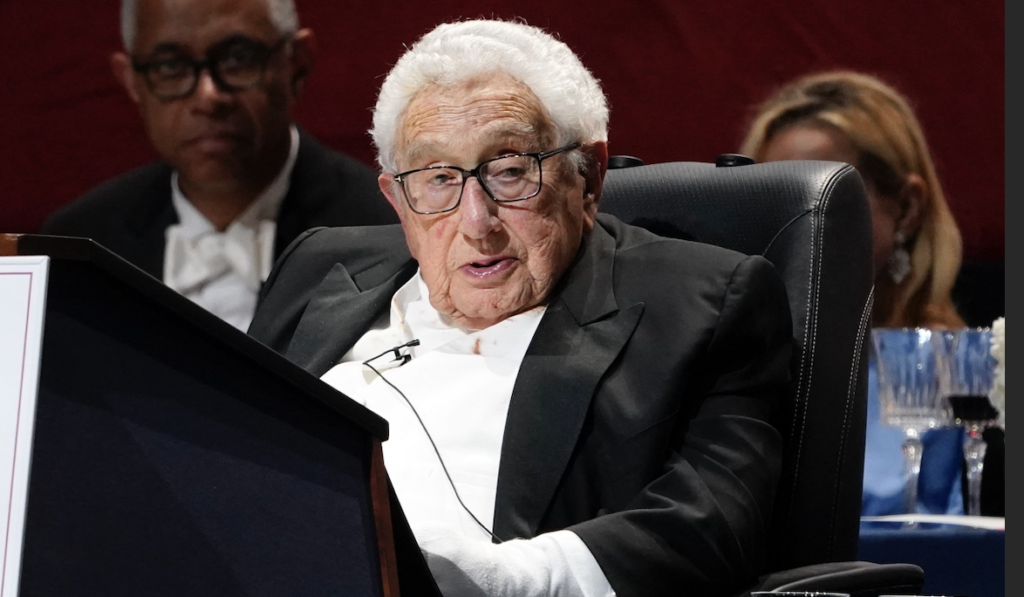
956, 560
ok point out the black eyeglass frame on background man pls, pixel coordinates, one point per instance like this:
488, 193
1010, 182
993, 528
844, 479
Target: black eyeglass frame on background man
235, 64
444, 179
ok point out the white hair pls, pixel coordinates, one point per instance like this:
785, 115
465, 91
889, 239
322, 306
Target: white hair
454, 53
282, 15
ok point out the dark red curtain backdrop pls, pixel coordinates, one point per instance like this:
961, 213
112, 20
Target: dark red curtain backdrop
681, 77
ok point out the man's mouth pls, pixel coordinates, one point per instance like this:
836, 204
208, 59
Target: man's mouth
216, 141
488, 267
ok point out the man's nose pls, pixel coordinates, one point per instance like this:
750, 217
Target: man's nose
479, 212
207, 91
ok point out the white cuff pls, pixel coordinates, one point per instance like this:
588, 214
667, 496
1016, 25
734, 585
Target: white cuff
556, 564
581, 563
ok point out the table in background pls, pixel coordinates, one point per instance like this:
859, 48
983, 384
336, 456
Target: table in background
956, 559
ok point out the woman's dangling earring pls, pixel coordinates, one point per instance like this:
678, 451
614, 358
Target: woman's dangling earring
899, 261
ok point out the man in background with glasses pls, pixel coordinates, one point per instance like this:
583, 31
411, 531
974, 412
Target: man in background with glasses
576, 406
215, 82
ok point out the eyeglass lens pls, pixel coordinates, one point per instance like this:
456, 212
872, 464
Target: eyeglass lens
236, 63
509, 178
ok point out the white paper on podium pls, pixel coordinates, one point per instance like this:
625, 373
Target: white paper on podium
22, 304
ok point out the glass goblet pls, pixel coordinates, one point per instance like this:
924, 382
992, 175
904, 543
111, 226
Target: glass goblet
908, 393
966, 374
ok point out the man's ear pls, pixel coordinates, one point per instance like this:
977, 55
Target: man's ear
387, 185
912, 205
302, 57
121, 66
597, 166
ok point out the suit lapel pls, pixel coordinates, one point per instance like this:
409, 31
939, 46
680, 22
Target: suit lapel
581, 334
338, 314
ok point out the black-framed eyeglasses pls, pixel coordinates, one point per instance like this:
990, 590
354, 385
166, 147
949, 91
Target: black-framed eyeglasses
235, 63
505, 179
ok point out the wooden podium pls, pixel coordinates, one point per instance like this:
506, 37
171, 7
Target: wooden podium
171, 454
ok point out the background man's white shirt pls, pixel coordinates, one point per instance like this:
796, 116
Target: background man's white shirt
223, 271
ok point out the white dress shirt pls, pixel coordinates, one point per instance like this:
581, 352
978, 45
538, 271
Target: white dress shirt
222, 270
460, 383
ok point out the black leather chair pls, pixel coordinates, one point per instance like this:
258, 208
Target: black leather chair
811, 220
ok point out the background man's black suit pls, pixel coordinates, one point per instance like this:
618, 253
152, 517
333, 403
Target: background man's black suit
130, 214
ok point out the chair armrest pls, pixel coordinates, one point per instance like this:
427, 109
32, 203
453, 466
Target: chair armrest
859, 579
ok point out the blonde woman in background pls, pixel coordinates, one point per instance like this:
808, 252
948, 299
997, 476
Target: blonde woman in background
857, 118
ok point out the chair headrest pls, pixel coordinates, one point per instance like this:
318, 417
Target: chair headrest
739, 207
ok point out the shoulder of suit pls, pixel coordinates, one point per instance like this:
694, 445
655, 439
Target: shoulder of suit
316, 153
333, 189
673, 276
358, 236
317, 251
343, 244
121, 187
114, 196
636, 241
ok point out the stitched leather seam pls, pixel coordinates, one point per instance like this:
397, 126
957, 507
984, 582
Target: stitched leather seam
810, 335
862, 331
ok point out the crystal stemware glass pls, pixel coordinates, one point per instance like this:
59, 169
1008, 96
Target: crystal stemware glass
908, 394
966, 373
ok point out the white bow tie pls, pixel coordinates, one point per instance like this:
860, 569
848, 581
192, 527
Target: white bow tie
241, 252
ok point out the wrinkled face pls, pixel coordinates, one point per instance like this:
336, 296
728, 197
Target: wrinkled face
214, 138
486, 261
819, 142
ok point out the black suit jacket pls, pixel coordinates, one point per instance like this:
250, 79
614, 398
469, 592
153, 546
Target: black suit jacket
640, 415
130, 214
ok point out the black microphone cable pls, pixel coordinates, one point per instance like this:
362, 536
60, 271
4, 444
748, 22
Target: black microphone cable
405, 358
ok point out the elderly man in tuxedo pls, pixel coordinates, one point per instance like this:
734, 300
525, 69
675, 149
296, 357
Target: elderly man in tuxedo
577, 406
